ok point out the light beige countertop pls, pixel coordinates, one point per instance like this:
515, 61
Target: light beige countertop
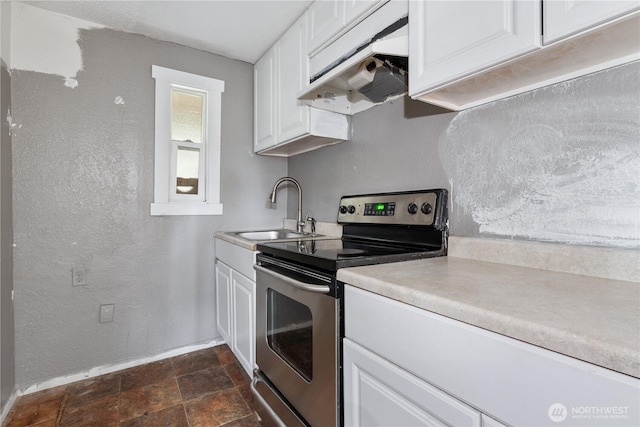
593, 319
229, 236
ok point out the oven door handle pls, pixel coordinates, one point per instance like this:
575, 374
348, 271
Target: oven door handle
308, 287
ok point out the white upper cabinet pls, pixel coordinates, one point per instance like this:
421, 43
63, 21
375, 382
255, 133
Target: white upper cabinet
451, 39
264, 98
328, 18
463, 54
292, 73
285, 126
354, 9
563, 18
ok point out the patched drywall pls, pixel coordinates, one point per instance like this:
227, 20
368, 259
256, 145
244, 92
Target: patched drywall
557, 164
5, 33
46, 42
83, 184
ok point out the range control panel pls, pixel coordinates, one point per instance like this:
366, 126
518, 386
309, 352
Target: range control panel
425, 207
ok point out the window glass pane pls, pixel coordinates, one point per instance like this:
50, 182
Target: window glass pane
290, 332
186, 115
188, 160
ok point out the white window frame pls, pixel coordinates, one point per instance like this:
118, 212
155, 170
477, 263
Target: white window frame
165, 148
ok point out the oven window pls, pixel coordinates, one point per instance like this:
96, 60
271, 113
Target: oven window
290, 332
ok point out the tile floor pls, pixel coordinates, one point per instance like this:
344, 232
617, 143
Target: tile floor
206, 388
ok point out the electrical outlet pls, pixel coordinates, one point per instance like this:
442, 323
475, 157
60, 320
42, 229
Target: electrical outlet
79, 276
106, 312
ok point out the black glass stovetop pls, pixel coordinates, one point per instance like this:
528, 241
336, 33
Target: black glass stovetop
332, 254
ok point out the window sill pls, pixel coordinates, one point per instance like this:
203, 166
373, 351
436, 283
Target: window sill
179, 208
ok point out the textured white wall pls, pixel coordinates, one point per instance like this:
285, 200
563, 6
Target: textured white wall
559, 164
83, 182
5, 32
7, 361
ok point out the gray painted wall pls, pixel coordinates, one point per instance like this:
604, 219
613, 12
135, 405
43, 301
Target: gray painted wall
7, 362
83, 182
559, 164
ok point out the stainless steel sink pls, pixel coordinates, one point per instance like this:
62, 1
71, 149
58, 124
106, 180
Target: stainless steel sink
266, 235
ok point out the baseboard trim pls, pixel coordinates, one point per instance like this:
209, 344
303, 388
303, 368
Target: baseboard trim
10, 402
107, 369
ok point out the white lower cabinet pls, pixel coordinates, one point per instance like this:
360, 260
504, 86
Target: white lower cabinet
223, 300
235, 313
379, 393
243, 341
404, 366
487, 421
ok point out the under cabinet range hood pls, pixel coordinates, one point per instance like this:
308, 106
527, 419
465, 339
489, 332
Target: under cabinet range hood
364, 67
378, 80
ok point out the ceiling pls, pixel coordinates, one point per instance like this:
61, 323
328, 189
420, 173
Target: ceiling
238, 29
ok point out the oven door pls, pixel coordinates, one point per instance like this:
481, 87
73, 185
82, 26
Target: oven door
297, 334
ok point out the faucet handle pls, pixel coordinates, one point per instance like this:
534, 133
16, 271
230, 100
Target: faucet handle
313, 225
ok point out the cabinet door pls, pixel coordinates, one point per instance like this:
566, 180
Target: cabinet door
243, 342
378, 393
354, 9
264, 102
487, 421
563, 18
223, 301
326, 19
449, 40
516, 382
292, 72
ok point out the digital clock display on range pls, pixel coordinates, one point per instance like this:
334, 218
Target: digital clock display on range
380, 209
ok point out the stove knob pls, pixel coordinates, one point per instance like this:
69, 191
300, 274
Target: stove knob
413, 208
426, 208
343, 209
352, 209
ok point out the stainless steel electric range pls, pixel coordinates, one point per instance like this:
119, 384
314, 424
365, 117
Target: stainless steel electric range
299, 301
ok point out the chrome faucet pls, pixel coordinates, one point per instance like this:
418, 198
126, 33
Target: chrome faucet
272, 199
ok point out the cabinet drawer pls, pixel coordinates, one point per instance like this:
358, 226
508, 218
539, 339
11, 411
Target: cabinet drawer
515, 382
236, 257
378, 393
